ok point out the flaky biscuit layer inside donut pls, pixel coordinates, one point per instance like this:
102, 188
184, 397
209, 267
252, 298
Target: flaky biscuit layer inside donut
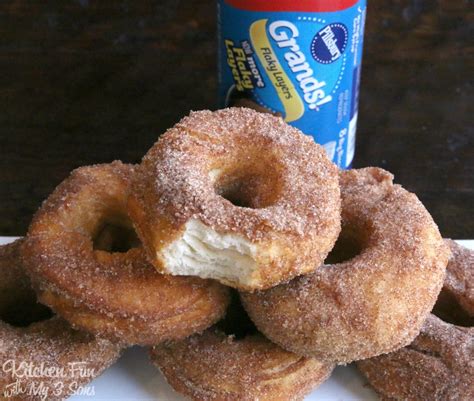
88, 266
203, 252
237, 196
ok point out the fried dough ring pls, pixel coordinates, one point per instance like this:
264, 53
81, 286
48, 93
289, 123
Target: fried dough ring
237, 196
116, 295
51, 342
243, 366
363, 306
439, 364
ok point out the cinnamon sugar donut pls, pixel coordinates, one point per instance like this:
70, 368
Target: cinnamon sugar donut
439, 364
112, 293
237, 196
63, 360
362, 304
243, 367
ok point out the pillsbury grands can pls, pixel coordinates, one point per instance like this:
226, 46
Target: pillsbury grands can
299, 59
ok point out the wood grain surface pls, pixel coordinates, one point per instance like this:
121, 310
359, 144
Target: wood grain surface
87, 81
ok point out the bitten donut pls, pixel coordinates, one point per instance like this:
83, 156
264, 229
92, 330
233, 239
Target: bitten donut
439, 364
388, 269
245, 367
237, 196
63, 360
112, 293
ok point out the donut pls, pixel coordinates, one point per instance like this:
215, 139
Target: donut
113, 293
42, 357
362, 302
237, 196
439, 364
216, 365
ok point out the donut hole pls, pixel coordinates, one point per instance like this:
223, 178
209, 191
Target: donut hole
249, 186
115, 233
348, 246
236, 322
23, 314
235, 193
448, 309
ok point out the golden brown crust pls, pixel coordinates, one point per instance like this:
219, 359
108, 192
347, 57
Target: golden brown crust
439, 364
286, 180
363, 306
193, 318
50, 343
95, 289
217, 367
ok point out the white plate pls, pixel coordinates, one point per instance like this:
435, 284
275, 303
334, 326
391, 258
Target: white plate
134, 378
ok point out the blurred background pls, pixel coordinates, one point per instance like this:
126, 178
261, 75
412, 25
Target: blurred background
88, 81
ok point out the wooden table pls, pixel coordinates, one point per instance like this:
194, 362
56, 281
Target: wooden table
86, 82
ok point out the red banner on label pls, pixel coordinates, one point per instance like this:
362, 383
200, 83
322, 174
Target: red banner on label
292, 5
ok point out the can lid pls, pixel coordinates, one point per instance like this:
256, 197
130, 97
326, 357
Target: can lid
291, 5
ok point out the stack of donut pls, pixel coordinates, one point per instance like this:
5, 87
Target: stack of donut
247, 263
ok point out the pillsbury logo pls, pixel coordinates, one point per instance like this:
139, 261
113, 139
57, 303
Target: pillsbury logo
329, 43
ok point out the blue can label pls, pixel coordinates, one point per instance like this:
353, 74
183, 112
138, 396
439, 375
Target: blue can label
300, 60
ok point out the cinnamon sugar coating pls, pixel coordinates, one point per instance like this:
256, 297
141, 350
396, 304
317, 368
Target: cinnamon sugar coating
116, 295
211, 162
51, 344
215, 366
439, 364
57, 347
374, 302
